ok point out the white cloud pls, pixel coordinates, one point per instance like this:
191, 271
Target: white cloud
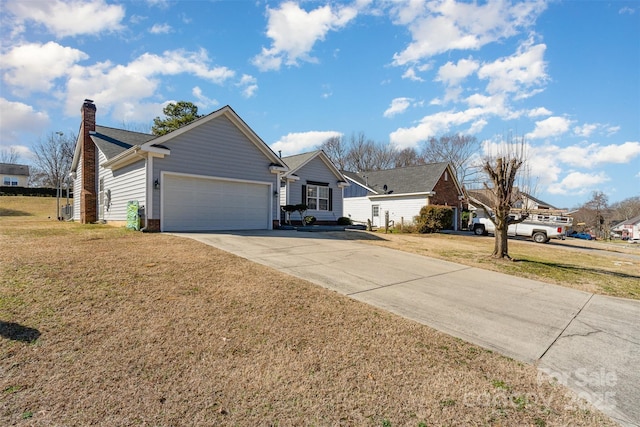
16, 117
68, 18
441, 26
553, 126
160, 29
34, 67
202, 100
113, 84
596, 154
537, 112
517, 73
249, 85
586, 129
435, 124
296, 143
453, 74
410, 74
398, 106
294, 31
578, 183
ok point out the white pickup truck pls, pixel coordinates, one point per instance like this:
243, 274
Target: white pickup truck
539, 227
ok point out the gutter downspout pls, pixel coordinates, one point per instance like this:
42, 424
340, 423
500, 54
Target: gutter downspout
148, 192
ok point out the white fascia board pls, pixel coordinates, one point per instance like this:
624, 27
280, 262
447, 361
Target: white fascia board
76, 155
361, 185
278, 169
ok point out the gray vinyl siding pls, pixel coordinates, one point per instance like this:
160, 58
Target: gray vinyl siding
316, 170
217, 149
355, 190
126, 184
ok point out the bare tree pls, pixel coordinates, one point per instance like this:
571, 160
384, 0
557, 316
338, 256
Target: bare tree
53, 159
457, 149
363, 154
502, 169
598, 210
408, 157
336, 150
626, 209
9, 155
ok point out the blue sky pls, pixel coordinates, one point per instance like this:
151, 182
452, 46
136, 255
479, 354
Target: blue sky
563, 74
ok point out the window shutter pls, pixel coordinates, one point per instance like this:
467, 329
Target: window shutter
303, 200
330, 199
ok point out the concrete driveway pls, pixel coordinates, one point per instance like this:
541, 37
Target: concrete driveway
590, 343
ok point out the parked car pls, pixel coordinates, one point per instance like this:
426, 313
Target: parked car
585, 236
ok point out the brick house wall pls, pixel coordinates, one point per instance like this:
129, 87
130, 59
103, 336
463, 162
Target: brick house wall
447, 194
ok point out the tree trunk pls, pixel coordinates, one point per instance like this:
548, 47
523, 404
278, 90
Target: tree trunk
501, 242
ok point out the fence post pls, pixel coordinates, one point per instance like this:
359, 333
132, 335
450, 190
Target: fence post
386, 222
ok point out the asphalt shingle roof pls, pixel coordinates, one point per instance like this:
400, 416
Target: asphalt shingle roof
294, 162
411, 179
113, 141
14, 169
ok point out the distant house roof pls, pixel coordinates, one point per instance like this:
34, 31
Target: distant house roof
14, 169
630, 222
407, 180
484, 196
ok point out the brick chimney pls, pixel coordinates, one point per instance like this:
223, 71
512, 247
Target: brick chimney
88, 199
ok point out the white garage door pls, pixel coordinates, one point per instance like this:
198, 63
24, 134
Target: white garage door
200, 204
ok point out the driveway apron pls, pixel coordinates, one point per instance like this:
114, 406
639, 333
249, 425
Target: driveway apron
587, 342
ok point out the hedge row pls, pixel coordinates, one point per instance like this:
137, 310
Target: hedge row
27, 191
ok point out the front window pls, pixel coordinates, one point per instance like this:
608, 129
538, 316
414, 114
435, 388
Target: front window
10, 181
317, 198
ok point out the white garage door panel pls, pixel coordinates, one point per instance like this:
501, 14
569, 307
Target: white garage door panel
197, 204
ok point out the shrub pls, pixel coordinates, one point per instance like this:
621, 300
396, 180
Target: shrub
343, 220
434, 218
309, 220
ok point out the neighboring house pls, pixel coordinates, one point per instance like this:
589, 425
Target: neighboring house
212, 174
313, 180
13, 175
401, 192
629, 229
482, 198
521, 200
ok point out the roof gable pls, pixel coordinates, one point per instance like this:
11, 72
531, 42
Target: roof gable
227, 112
298, 161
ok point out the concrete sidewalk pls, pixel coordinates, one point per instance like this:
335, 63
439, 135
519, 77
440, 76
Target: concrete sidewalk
589, 343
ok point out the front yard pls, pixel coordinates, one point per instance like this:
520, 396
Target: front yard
613, 269
105, 326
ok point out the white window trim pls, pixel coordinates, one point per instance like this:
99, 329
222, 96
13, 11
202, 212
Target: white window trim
317, 198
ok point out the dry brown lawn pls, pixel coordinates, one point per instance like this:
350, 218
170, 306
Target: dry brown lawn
612, 270
104, 326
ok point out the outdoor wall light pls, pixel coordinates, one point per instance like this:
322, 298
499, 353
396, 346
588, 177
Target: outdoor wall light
156, 184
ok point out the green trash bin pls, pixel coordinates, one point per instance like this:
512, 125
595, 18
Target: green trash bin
133, 215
